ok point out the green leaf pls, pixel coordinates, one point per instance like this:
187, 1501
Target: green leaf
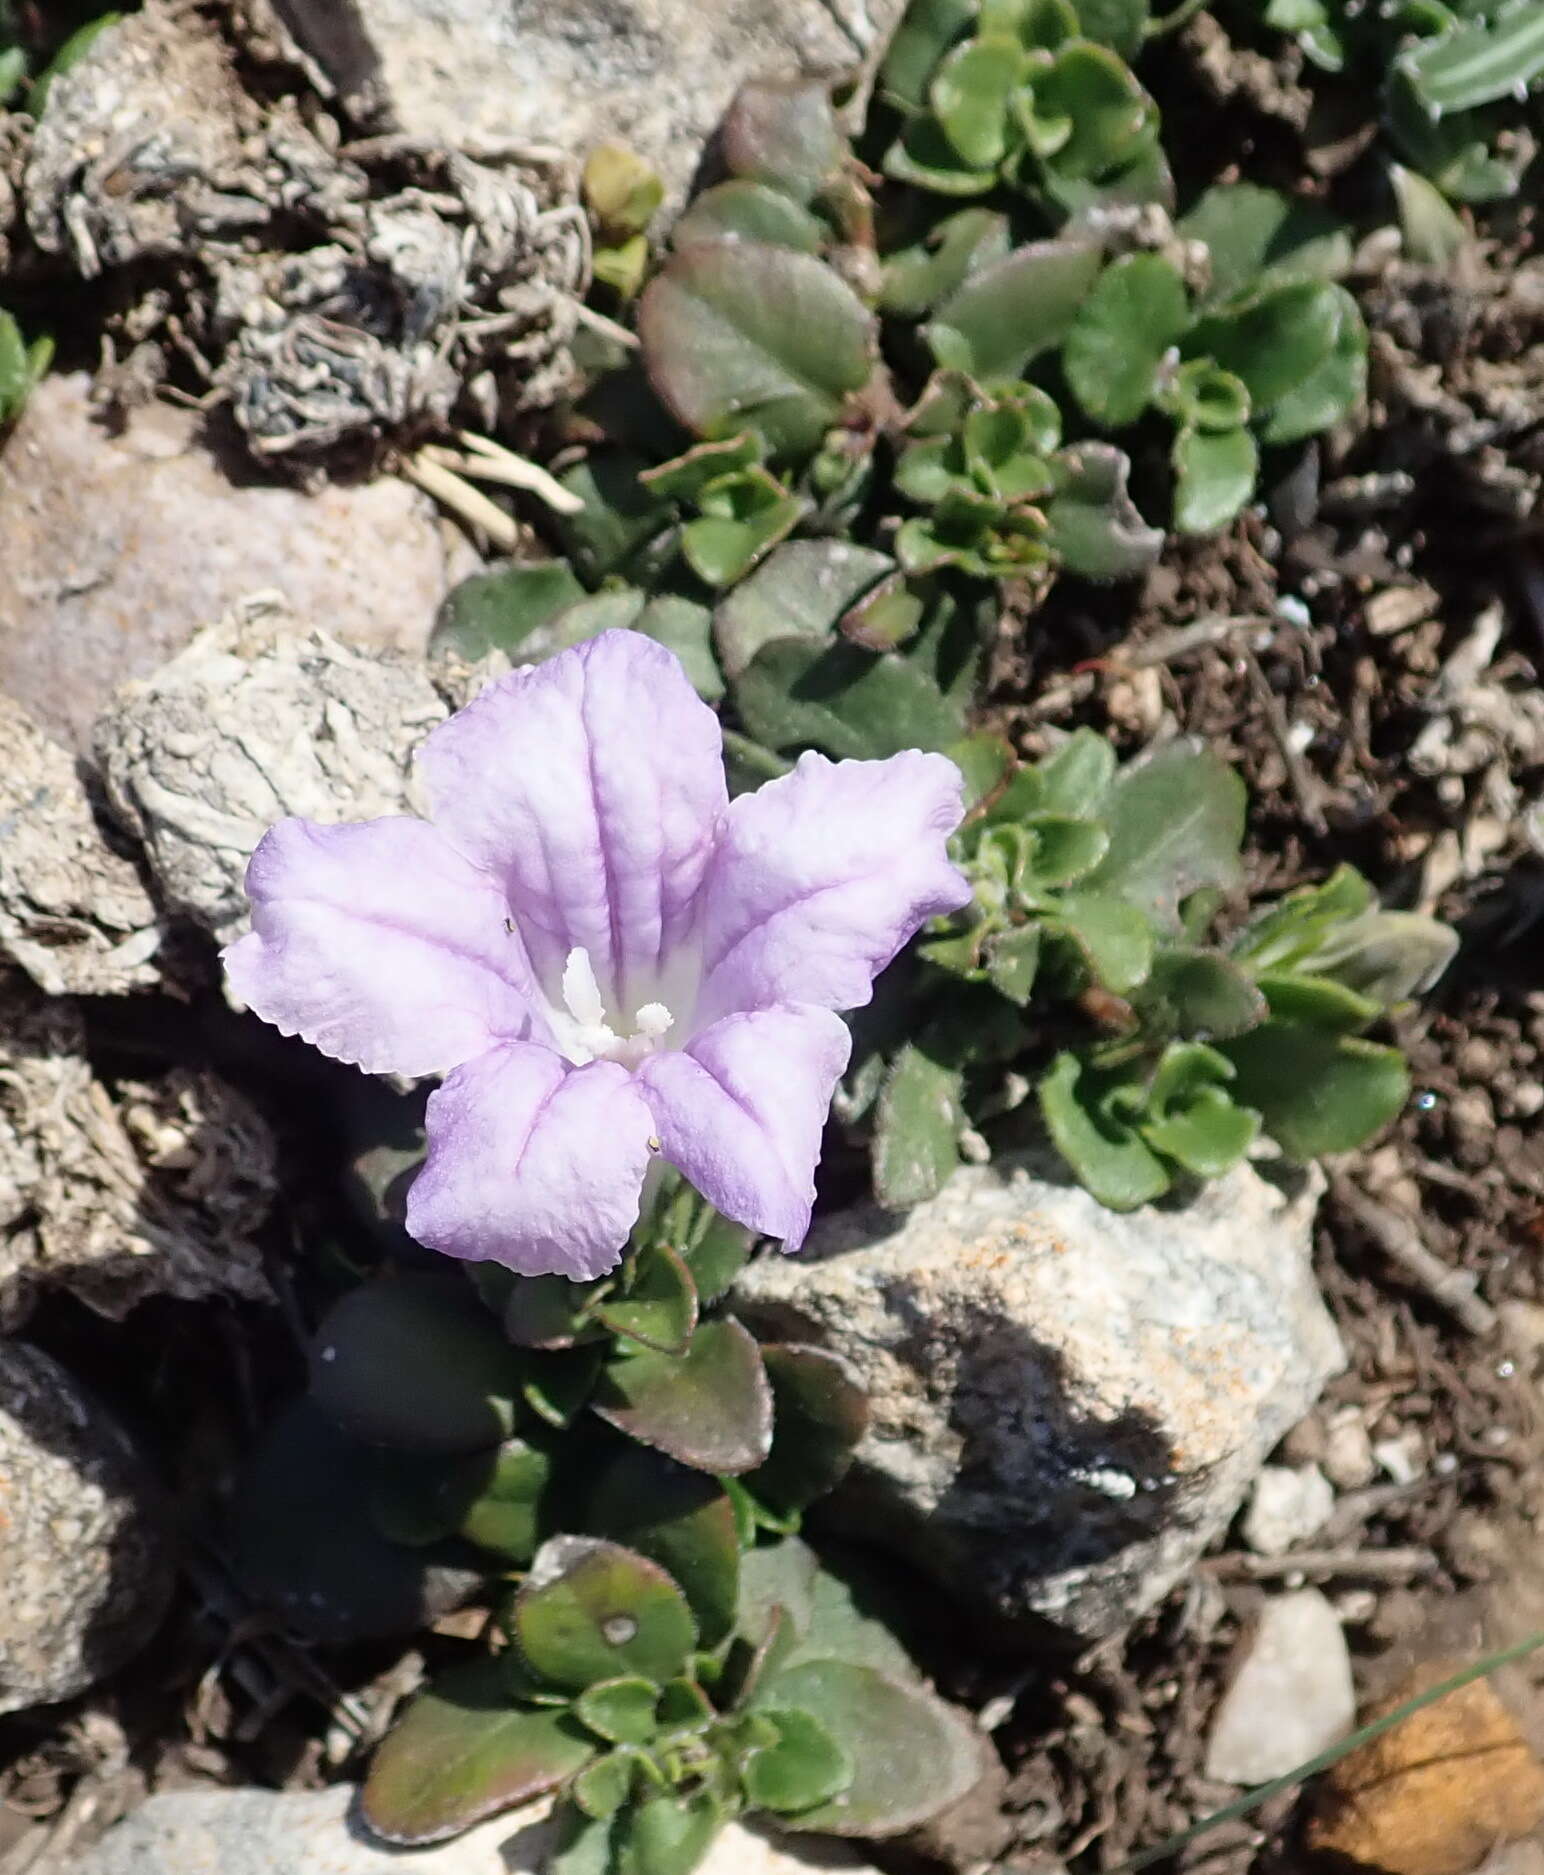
415, 1362
1316, 1092
1432, 232
1118, 24
601, 1788
487, 612
1011, 312
591, 1610
582, 1845
1275, 340
911, 1755
737, 334
680, 1519
784, 133
505, 1514
1176, 824
1318, 1003
1332, 390
803, 1767
1106, 109
1190, 1116
685, 477
710, 1408
1094, 525
557, 1386
800, 590
1123, 331
1257, 237
1199, 994
1063, 849
1479, 62
1386, 956
463, 1751
658, 1309
618, 519
749, 211
621, 190
1114, 939
927, 29
844, 701
1096, 1138
1076, 779
916, 1128
1288, 932
744, 517
1214, 475
716, 1251
924, 157
1012, 961
668, 1835
549, 1311
916, 278
969, 98
621, 1711
819, 1414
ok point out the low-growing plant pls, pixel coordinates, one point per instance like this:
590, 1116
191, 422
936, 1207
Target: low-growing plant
1456, 86
21, 365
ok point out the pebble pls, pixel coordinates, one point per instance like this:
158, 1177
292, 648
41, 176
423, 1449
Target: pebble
1438, 1792
1289, 1504
1290, 1696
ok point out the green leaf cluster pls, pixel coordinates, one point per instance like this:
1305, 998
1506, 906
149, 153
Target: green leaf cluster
623, 1468
1096, 889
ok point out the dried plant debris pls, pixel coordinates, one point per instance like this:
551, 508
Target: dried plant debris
255, 720
74, 913
1457, 374
330, 296
154, 1188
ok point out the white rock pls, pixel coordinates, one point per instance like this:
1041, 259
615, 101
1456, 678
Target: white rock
115, 550
1291, 1694
1289, 1504
1067, 1404
654, 74
1348, 1461
253, 721
259, 1832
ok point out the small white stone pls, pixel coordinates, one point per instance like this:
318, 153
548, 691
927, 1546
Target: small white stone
1348, 1461
1291, 1694
1401, 1458
1289, 1504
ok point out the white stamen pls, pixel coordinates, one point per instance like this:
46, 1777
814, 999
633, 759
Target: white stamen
584, 1034
580, 990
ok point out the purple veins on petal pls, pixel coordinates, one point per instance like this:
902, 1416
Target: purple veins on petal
604, 956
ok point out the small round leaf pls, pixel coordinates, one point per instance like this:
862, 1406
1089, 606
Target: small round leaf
591, 1611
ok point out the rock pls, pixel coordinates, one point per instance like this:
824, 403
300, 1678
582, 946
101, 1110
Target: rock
86, 1571
1289, 1504
1437, 1793
1067, 1404
1514, 1858
153, 1189
74, 913
1290, 1696
253, 721
260, 1832
115, 550
1348, 1461
656, 75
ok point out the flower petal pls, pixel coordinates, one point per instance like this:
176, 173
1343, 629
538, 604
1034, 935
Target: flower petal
741, 1111
822, 875
593, 785
380, 945
533, 1163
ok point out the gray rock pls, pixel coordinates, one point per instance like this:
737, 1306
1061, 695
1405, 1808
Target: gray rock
253, 721
1289, 1504
654, 74
1291, 1694
115, 550
1068, 1404
83, 1561
150, 1188
260, 1832
74, 913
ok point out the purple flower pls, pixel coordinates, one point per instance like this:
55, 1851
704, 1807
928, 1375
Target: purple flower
604, 956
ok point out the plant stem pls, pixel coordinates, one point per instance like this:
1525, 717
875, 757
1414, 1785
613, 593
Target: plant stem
1171, 22
1251, 1799
754, 756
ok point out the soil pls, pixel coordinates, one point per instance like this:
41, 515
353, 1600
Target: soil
1369, 652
